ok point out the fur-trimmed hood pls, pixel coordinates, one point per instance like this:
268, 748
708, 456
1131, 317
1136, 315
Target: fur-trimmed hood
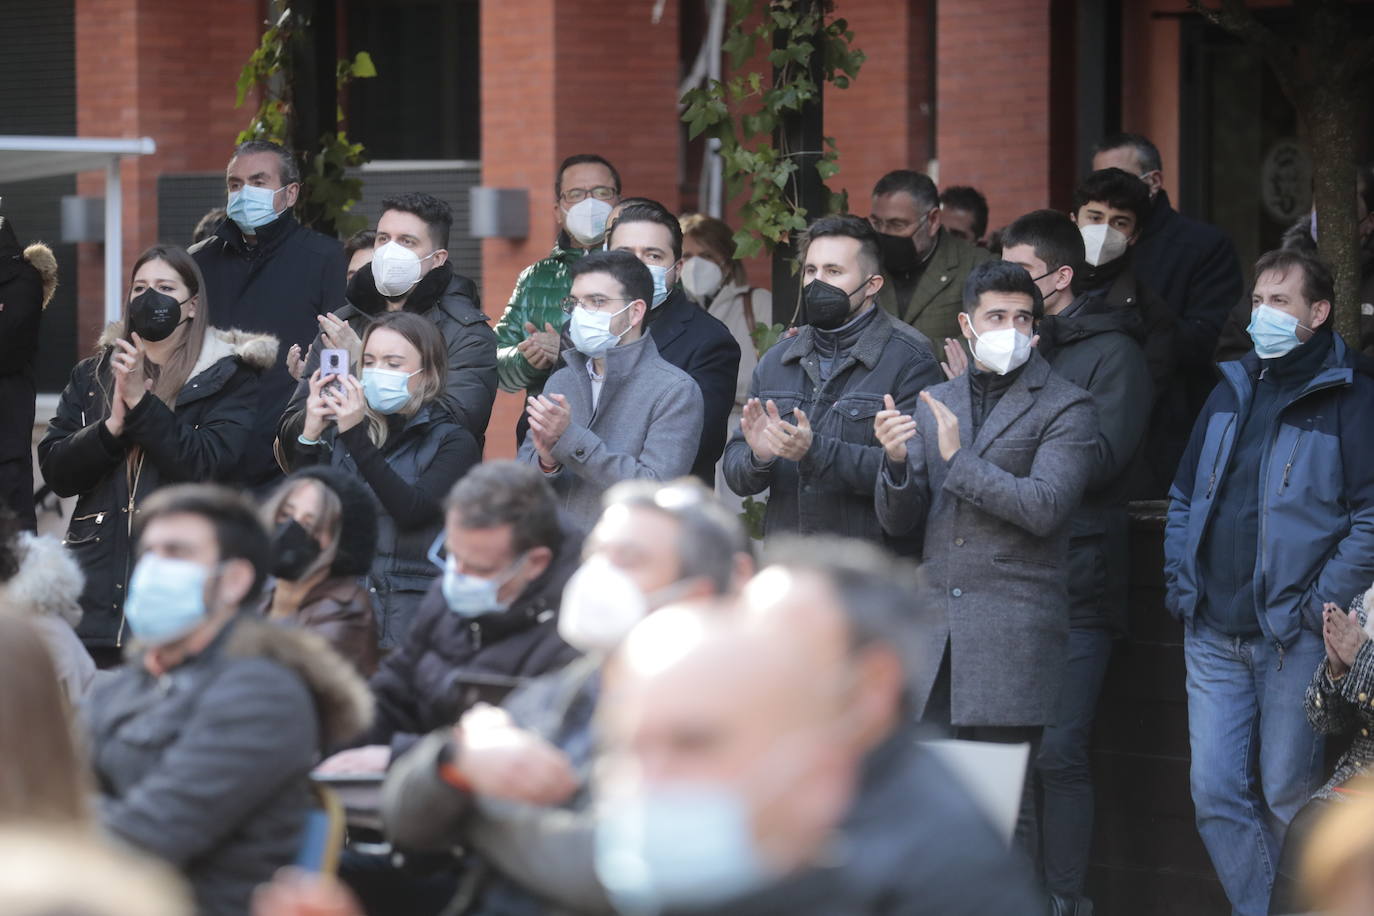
40, 256
257, 351
48, 583
342, 700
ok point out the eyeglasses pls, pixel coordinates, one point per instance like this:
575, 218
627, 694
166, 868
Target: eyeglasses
438, 555
577, 195
590, 304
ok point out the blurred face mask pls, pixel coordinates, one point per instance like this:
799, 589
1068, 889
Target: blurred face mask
1002, 350
294, 550
591, 331
586, 220
252, 207
1102, 244
396, 269
166, 598
701, 278
472, 596
386, 390
601, 604
1274, 332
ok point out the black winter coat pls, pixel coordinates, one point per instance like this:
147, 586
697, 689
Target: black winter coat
422, 458
421, 686
1099, 350
27, 279
208, 766
831, 489
201, 439
700, 344
450, 301
279, 286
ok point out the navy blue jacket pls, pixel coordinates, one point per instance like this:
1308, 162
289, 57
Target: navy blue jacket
1316, 495
702, 346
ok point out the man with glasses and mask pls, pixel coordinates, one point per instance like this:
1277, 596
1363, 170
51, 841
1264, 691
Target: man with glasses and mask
510, 786
265, 272
924, 264
616, 410
585, 190
807, 430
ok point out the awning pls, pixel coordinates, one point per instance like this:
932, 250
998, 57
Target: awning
28, 158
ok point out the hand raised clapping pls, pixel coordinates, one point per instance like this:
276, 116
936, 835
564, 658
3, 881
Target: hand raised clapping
770, 436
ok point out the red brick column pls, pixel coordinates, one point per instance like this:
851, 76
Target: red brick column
993, 83
161, 69
561, 77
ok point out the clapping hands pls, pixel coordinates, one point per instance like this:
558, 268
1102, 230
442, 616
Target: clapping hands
770, 436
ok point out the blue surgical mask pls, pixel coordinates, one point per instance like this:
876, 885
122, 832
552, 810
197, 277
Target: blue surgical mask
471, 596
1275, 333
166, 598
251, 207
682, 846
591, 332
660, 275
386, 390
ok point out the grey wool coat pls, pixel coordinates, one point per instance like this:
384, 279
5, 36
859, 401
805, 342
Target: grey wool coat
996, 522
647, 424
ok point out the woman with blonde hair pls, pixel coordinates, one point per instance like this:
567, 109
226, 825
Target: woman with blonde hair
166, 399
389, 429
43, 776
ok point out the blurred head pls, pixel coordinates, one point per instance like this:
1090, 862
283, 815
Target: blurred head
303, 509
358, 250
1338, 863
501, 524
1048, 246
202, 554
964, 213
1132, 153
206, 226
397, 345
906, 206
585, 190
166, 305
615, 284
1298, 285
655, 543
710, 241
44, 778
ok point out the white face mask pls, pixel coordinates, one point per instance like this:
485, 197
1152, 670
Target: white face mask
701, 277
1102, 244
586, 220
1002, 350
591, 332
396, 269
600, 605
660, 275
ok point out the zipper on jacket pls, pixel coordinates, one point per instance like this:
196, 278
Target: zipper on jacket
1216, 459
1288, 468
1279, 645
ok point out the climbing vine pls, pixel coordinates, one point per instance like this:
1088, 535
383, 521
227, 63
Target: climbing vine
744, 112
327, 192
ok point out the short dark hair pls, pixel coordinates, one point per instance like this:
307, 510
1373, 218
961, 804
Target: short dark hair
963, 197
1146, 153
437, 214
652, 212
1052, 235
290, 170
584, 159
208, 223
918, 185
709, 539
1000, 277
627, 269
846, 226
497, 493
359, 241
1117, 189
239, 532
1316, 276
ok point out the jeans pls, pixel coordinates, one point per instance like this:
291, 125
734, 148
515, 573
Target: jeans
1256, 761
1066, 785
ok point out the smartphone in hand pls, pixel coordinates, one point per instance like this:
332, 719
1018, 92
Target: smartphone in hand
335, 363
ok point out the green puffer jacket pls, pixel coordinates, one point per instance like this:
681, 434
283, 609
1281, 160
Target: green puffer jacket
537, 298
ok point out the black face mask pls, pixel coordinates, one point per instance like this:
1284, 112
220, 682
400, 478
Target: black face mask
827, 306
293, 550
154, 315
898, 253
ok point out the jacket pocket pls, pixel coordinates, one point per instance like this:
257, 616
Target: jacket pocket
86, 529
856, 413
1025, 564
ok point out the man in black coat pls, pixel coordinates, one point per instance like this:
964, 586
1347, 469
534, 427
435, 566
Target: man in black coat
27, 280
267, 273
1192, 264
686, 335
1096, 347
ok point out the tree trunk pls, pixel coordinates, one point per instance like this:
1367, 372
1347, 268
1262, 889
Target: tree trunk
1330, 114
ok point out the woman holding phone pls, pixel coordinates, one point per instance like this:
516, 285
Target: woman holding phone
166, 399
389, 429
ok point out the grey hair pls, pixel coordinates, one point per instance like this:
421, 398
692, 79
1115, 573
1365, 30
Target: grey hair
290, 171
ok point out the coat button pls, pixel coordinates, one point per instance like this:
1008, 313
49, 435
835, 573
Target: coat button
958, 592
580, 453
958, 542
1363, 697
944, 279
1318, 702
1364, 732
853, 411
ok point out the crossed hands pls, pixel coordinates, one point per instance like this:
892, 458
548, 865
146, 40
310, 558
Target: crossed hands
540, 348
1343, 636
894, 429
770, 436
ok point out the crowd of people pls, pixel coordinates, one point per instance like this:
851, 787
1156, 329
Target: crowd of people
574, 681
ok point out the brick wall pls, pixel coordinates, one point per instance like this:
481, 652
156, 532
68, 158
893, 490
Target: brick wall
148, 68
